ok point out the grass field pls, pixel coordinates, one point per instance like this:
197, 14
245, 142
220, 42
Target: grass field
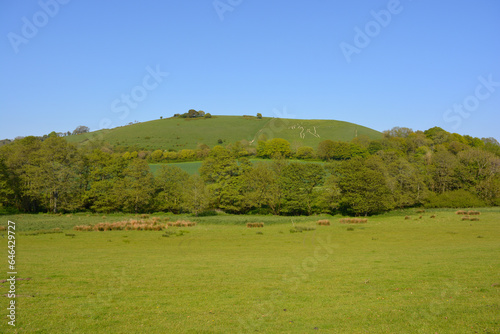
181, 133
390, 275
192, 167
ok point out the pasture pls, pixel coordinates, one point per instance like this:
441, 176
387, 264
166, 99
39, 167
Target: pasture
187, 133
192, 167
386, 275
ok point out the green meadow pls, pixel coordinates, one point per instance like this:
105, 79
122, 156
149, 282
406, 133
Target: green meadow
192, 167
187, 133
389, 275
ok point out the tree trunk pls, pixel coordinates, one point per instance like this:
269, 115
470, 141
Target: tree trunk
56, 194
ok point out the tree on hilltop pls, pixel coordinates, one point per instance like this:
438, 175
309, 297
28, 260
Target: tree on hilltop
81, 129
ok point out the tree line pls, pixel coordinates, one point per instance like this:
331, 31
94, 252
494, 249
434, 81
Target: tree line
404, 169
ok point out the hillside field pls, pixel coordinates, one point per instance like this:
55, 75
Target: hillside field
389, 275
192, 167
187, 133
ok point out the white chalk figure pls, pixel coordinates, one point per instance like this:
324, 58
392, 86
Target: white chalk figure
304, 132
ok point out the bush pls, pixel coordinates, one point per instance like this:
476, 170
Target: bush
454, 199
207, 213
8, 210
305, 152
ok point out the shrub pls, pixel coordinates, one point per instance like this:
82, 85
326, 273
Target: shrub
475, 219
407, 217
465, 218
305, 152
324, 222
454, 199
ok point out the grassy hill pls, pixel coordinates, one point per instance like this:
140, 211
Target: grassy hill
182, 133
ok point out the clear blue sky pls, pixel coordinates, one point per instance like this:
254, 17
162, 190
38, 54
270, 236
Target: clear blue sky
297, 59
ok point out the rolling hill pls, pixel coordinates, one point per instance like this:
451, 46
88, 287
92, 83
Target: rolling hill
187, 133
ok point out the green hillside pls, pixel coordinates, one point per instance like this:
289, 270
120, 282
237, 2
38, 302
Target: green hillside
182, 133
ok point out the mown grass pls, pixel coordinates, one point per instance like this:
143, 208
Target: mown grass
430, 275
179, 133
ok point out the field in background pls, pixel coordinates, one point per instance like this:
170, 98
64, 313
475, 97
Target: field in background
185, 133
192, 167
397, 275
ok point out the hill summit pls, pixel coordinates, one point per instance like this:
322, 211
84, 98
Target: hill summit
177, 133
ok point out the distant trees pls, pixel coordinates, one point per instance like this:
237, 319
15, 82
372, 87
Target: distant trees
80, 129
299, 182
305, 152
259, 115
274, 147
134, 191
363, 187
403, 169
171, 183
6, 184
192, 114
338, 150
156, 156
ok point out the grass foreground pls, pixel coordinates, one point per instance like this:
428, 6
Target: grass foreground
389, 275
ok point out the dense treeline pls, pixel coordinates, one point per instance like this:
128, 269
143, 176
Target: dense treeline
404, 169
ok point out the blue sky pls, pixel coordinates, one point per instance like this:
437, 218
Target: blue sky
381, 64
